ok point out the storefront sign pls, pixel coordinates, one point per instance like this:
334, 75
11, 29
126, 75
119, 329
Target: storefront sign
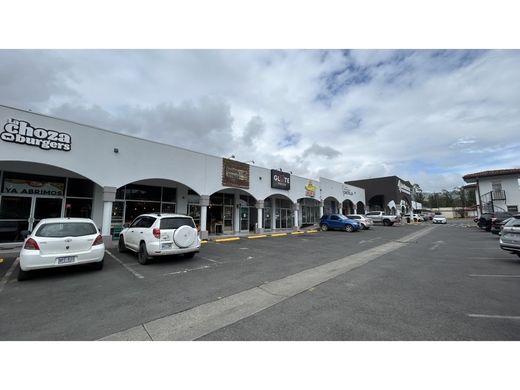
21, 132
33, 187
235, 174
347, 191
280, 180
310, 189
403, 187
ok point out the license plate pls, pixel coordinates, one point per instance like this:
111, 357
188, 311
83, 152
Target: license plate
66, 260
167, 245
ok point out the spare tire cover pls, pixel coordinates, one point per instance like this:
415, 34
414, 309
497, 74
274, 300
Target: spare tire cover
184, 236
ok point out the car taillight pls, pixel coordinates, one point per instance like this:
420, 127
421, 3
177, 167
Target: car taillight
31, 244
98, 240
157, 233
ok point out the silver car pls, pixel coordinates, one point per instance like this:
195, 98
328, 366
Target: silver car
365, 222
510, 238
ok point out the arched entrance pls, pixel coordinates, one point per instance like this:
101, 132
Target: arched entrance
377, 203
360, 207
152, 195
278, 212
310, 214
231, 210
348, 207
31, 192
331, 205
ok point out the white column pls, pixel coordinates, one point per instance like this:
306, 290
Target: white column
321, 209
109, 195
273, 213
259, 225
340, 210
204, 203
296, 210
236, 220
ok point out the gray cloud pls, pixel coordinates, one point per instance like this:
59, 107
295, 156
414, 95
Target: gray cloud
321, 151
253, 130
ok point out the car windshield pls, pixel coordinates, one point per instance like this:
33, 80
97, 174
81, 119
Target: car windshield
66, 229
175, 223
354, 217
341, 216
514, 222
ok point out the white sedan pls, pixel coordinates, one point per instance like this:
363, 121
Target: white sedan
439, 219
58, 242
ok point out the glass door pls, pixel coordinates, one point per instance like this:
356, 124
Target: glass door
46, 208
15, 212
244, 219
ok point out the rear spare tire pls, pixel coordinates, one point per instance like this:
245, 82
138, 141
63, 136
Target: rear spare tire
184, 236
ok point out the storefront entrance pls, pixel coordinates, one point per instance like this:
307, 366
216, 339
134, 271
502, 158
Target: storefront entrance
27, 199
18, 213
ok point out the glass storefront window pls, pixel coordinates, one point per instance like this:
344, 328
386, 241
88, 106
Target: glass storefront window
169, 194
80, 188
117, 212
78, 208
15, 207
134, 209
168, 208
142, 192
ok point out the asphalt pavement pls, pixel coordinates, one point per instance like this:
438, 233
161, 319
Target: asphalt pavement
419, 290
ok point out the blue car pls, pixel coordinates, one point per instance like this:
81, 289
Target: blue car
339, 222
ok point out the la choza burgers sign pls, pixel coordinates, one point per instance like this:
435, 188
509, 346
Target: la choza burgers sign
21, 132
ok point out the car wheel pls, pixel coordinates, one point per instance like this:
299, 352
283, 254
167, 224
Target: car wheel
386, 222
121, 246
324, 227
23, 275
142, 255
189, 255
348, 228
98, 266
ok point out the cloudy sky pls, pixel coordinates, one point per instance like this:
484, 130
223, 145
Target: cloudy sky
427, 116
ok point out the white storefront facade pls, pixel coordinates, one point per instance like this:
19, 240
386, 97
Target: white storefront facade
51, 167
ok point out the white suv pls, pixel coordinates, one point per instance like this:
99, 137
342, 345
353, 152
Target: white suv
160, 235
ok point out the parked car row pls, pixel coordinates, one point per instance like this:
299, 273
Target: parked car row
60, 242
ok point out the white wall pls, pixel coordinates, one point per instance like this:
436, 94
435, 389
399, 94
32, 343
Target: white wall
509, 184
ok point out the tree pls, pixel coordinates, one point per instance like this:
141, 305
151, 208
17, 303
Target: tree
417, 195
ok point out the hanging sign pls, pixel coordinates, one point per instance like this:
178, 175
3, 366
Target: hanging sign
310, 189
21, 132
280, 180
33, 187
235, 174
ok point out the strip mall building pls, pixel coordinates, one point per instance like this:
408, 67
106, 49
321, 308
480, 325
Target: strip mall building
51, 167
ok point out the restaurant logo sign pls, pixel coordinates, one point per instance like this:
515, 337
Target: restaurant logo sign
21, 132
347, 191
235, 174
280, 180
310, 189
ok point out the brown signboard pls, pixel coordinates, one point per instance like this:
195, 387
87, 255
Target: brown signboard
235, 174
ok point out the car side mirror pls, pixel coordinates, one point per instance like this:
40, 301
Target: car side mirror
126, 225
25, 233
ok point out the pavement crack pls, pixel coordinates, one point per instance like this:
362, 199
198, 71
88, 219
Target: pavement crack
146, 330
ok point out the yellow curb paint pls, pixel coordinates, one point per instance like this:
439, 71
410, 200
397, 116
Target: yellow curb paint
259, 236
227, 239
278, 234
297, 232
1, 261
311, 231
204, 242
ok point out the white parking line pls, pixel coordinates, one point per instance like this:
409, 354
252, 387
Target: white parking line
494, 316
208, 259
188, 270
135, 273
6, 277
495, 276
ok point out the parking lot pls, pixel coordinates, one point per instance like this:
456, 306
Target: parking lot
408, 282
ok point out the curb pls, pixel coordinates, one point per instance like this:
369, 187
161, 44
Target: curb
257, 236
